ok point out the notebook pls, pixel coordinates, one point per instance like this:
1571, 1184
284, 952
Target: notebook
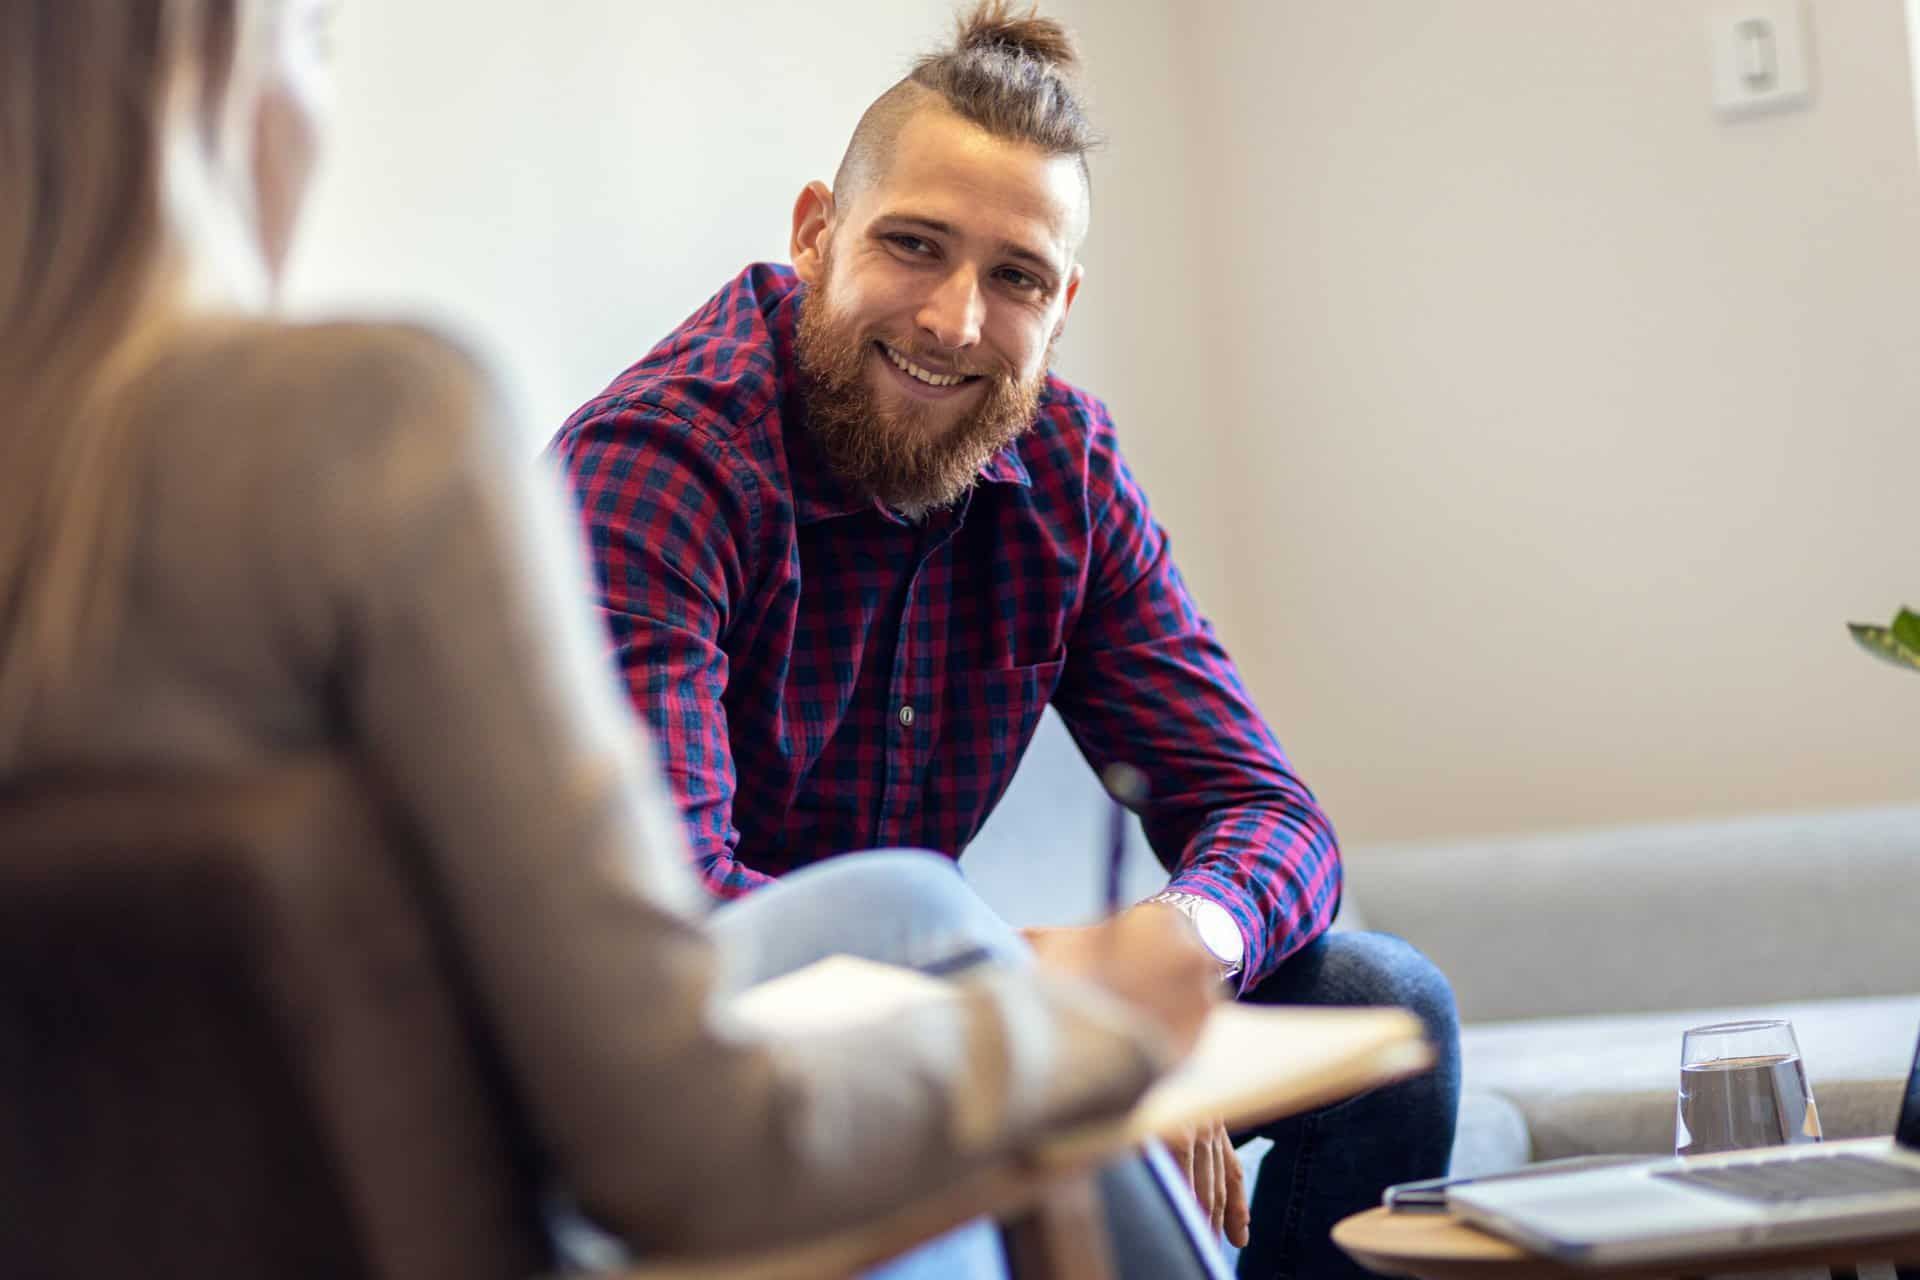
1252, 1063
1672, 1210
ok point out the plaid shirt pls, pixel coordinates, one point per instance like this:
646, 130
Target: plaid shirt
825, 676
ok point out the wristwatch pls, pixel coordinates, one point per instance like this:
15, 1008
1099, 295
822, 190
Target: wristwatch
1218, 932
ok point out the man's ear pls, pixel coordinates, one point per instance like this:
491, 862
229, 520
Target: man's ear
812, 229
1073, 291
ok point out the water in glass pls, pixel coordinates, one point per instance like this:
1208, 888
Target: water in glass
1743, 1085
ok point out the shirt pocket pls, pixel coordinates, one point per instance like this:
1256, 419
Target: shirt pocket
988, 718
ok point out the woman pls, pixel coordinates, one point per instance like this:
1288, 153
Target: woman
226, 539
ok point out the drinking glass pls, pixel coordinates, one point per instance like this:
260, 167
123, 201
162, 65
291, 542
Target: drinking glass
1742, 1085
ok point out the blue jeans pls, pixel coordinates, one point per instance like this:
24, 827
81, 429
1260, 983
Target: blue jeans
1329, 1163
914, 909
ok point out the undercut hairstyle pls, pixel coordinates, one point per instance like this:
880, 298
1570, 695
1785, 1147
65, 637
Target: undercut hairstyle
1013, 74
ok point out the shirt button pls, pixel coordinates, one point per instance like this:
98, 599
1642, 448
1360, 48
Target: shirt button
906, 717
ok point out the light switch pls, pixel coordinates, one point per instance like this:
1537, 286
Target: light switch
1761, 56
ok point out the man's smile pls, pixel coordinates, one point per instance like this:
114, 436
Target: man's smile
921, 381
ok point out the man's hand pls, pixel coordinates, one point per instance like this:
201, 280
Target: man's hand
1205, 1156
1150, 957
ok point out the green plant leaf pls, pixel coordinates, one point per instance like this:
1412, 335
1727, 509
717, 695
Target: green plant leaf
1906, 629
1883, 644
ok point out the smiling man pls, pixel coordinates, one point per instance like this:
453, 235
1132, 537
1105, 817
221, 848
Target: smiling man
853, 538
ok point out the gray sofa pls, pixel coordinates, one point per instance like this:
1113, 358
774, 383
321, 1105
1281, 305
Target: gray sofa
1579, 958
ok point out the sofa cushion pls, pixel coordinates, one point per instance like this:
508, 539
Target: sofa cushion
1492, 1135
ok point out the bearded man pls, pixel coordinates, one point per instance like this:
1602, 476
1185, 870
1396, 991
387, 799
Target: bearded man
853, 538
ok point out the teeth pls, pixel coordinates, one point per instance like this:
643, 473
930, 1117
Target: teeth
914, 371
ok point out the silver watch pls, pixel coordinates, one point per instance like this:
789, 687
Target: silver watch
1218, 932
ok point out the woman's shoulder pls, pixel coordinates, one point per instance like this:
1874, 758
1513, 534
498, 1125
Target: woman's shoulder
341, 371
323, 396
315, 428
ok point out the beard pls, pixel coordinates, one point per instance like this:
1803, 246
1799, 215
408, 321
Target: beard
897, 454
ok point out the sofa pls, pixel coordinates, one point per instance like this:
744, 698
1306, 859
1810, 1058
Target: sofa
1579, 957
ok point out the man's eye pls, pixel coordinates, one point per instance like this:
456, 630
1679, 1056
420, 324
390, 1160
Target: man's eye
912, 244
1019, 279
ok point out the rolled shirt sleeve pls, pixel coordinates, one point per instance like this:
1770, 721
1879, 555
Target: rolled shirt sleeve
1147, 683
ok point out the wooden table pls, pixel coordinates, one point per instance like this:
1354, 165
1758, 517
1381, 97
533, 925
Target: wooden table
1435, 1246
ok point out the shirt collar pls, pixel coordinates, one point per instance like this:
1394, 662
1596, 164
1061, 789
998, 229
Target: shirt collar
818, 494
1005, 467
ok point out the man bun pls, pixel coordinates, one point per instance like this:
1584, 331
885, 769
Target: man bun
995, 26
1009, 71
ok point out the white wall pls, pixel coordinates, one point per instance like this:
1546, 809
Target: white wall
1140, 336
1529, 432
1568, 423
566, 181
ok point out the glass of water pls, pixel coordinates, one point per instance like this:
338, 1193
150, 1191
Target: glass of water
1742, 1084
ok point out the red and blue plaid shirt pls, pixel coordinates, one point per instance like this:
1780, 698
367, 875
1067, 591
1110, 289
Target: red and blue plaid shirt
825, 676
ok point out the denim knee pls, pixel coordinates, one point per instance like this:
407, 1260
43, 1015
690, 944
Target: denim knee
912, 885
1383, 969
899, 876
1367, 969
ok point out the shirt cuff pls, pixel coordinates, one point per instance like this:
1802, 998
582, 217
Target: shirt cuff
1245, 913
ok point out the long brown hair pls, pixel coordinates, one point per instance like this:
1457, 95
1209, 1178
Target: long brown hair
109, 112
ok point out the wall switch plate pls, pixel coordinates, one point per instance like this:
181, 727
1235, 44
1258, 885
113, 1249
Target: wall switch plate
1761, 56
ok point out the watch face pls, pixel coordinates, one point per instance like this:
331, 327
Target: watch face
1219, 933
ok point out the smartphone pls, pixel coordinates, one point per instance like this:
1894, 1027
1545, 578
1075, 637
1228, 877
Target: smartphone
1430, 1194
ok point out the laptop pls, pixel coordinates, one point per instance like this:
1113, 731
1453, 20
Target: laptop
1673, 1209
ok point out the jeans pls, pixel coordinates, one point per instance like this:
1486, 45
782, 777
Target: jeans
914, 909
1335, 1161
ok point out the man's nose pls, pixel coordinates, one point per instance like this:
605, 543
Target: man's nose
953, 312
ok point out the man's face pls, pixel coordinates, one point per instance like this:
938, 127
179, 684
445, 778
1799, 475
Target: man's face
938, 290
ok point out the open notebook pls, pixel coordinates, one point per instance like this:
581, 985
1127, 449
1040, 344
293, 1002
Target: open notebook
1253, 1063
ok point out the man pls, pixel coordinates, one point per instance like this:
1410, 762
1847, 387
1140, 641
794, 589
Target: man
853, 538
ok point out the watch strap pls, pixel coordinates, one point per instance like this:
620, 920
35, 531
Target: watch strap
1191, 905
